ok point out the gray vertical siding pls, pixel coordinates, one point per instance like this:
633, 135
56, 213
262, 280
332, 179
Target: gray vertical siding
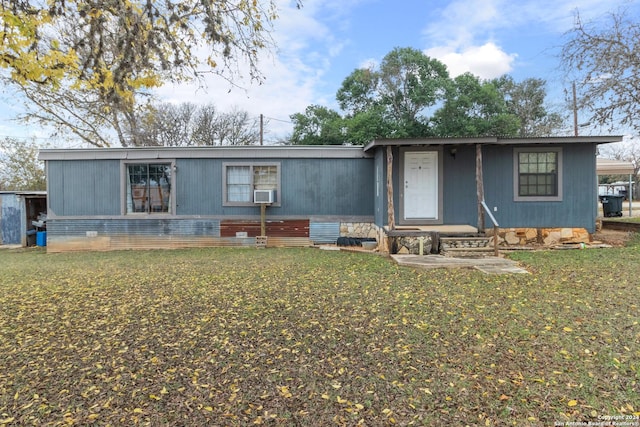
459, 198
309, 187
84, 187
11, 213
342, 187
324, 232
198, 184
577, 208
380, 189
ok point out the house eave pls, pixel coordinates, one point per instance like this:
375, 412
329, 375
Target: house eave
492, 141
226, 152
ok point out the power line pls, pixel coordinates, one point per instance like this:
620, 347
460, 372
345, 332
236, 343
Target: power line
278, 120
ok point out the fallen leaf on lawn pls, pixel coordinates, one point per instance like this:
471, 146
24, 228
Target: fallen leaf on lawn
284, 391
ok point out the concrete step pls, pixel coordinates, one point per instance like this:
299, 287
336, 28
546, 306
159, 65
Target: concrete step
466, 247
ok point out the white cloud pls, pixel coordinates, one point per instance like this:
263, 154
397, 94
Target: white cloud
463, 33
461, 39
487, 61
292, 73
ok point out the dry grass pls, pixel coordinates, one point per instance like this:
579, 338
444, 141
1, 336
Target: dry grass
308, 337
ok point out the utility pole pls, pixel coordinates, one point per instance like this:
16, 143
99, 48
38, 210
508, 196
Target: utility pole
575, 111
262, 128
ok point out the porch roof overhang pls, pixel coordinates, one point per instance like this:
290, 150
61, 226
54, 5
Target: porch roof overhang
613, 167
491, 140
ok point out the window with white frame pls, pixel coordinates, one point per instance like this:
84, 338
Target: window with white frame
148, 188
538, 174
241, 179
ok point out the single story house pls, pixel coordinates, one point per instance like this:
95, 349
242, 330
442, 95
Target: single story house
116, 198
18, 211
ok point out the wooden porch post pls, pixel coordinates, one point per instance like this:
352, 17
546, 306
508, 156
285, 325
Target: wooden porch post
479, 187
391, 219
390, 210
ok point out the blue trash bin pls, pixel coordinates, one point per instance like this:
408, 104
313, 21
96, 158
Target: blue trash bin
41, 238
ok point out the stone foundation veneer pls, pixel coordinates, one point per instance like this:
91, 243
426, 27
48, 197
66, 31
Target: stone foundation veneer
411, 245
540, 236
365, 230
506, 237
360, 229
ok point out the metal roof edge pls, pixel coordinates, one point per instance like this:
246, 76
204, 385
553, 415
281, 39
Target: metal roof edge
494, 140
598, 139
25, 192
226, 152
384, 142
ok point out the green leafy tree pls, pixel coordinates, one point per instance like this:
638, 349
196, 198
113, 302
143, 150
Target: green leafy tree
83, 64
365, 126
358, 91
603, 58
526, 100
474, 108
317, 126
20, 169
410, 83
392, 100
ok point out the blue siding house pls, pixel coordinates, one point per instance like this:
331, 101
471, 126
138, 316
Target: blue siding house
102, 199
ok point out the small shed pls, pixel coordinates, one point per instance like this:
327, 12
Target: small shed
18, 210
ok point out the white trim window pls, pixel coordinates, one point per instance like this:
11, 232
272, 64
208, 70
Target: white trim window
538, 174
148, 188
241, 179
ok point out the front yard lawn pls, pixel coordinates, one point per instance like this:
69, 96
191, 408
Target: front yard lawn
309, 337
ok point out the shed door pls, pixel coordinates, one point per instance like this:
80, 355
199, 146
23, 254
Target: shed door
421, 185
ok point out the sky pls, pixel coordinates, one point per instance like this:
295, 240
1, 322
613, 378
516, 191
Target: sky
319, 45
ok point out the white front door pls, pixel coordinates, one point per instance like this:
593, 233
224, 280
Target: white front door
421, 185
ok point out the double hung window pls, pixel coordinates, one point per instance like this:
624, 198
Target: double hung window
538, 174
241, 179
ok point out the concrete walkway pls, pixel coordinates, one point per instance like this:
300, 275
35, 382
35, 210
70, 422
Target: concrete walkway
489, 265
11, 246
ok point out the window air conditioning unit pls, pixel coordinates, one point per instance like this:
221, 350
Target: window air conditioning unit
263, 196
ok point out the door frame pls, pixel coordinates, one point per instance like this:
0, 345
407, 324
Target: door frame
419, 221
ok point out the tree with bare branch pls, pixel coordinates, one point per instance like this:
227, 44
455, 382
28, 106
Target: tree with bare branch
19, 165
83, 65
603, 58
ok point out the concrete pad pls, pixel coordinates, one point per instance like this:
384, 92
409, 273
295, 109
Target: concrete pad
488, 265
11, 246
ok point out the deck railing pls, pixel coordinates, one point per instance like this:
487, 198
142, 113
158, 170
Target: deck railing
495, 228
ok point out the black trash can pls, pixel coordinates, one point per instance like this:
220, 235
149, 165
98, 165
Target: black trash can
611, 205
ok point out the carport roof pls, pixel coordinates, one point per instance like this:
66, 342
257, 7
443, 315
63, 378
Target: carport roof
613, 167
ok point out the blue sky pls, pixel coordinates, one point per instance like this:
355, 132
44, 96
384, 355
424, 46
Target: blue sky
322, 43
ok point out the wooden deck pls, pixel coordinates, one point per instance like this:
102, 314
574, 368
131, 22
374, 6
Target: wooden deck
421, 230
